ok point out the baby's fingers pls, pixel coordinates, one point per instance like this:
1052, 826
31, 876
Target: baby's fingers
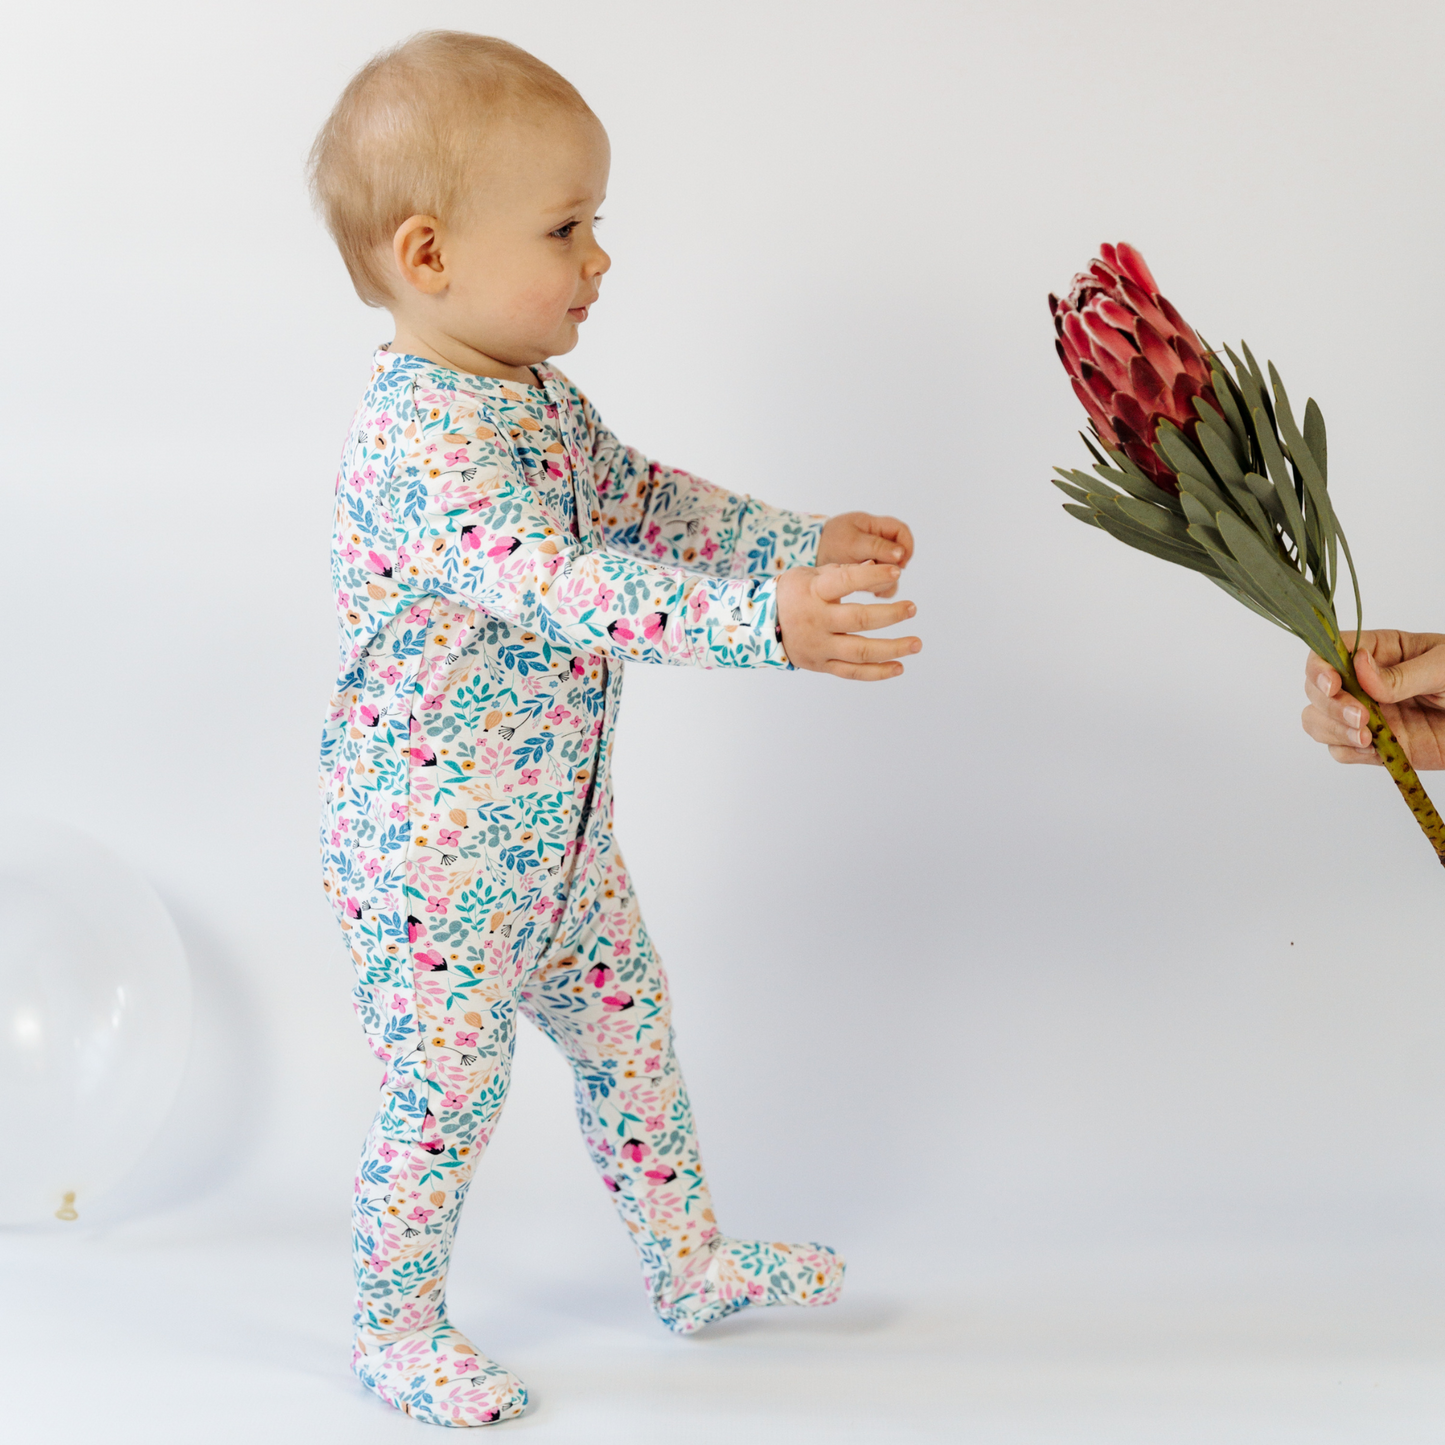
870, 616
874, 649
863, 671
834, 582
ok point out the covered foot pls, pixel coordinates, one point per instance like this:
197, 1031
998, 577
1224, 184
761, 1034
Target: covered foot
436, 1375
731, 1274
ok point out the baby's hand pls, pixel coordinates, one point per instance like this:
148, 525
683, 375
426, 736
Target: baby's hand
861, 537
1405, 673
819, 628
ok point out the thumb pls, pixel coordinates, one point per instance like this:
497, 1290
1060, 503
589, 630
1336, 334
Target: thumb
1400, 681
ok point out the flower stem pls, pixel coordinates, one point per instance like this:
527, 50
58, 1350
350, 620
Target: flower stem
1394, 759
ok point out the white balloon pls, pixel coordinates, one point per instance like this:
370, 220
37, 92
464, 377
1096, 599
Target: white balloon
95, 1019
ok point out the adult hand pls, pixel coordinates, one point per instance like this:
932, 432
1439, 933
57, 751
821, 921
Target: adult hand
1405, 673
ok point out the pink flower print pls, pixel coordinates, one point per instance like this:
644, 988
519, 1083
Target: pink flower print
375, 562
336, 837
659, 549
622, 948
756, 1289
466, 1040
529, 776
619, 631
350, 553
453, 1100
612, 1184
433, 700
654, 1122
664, 1174
416, 614
386, 1151
369, 475
652, 532
437, 904
504, 547
421, 1215
369, 715
352, 908
378, 1264
634, 1149
371, 867
384, 420
709, 549
653, 624
557, 715
603, 599
697, 603
343, 599
598, 974
398, 810
429, 961
391, 674
603, 1147
468, 1365
617, 1002
456, 458
448, 837
399, 1001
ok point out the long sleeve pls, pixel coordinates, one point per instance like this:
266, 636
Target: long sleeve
670, 516
468, 526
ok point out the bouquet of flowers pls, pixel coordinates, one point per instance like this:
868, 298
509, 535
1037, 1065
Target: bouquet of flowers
1204, 465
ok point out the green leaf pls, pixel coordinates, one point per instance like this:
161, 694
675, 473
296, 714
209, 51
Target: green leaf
1210, 421
1195, 560
1174, 447
1248, 601
1222, 459
1195, 510
1154, 520
1069, 490
1326, 526
1274, 582
1084, 514
1283, 483
1137, 484
1230, 398
1205, 492
1315, 438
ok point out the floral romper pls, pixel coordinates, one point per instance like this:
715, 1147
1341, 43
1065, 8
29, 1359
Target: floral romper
497, 555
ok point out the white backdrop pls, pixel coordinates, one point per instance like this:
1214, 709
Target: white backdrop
1066, 942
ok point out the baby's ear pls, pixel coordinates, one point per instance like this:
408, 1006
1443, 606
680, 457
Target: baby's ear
417, 250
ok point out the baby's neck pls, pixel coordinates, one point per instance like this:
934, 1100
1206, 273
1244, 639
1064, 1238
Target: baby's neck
457, 354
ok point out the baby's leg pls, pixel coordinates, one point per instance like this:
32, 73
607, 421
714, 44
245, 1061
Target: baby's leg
604, 1001
446, 1037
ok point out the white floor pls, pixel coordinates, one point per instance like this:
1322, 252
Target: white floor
114, 1339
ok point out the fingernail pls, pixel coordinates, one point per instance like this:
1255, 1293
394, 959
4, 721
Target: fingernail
916, 645
912, 610
1353, 717
1364, 738
1322, 683
898, 554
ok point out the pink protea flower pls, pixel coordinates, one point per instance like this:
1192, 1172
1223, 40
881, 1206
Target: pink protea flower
1133, 359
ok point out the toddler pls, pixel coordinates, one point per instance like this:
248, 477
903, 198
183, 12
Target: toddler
498, 556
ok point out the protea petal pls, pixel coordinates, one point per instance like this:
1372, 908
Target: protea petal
1164, 359
1117, 372
1101, 422
1097, 383
1116, 315
1179, 323
1194, 364
1102, 334
1146, 385
1143, 303
1132, 415
1131, 264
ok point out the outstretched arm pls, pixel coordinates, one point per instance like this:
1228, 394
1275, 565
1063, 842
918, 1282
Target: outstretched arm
672, 517
468, 526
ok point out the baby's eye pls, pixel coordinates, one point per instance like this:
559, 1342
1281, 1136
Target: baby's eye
564, 233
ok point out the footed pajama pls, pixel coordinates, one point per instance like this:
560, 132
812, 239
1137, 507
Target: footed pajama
497, 555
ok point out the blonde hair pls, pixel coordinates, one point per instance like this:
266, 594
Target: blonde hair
403, 138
